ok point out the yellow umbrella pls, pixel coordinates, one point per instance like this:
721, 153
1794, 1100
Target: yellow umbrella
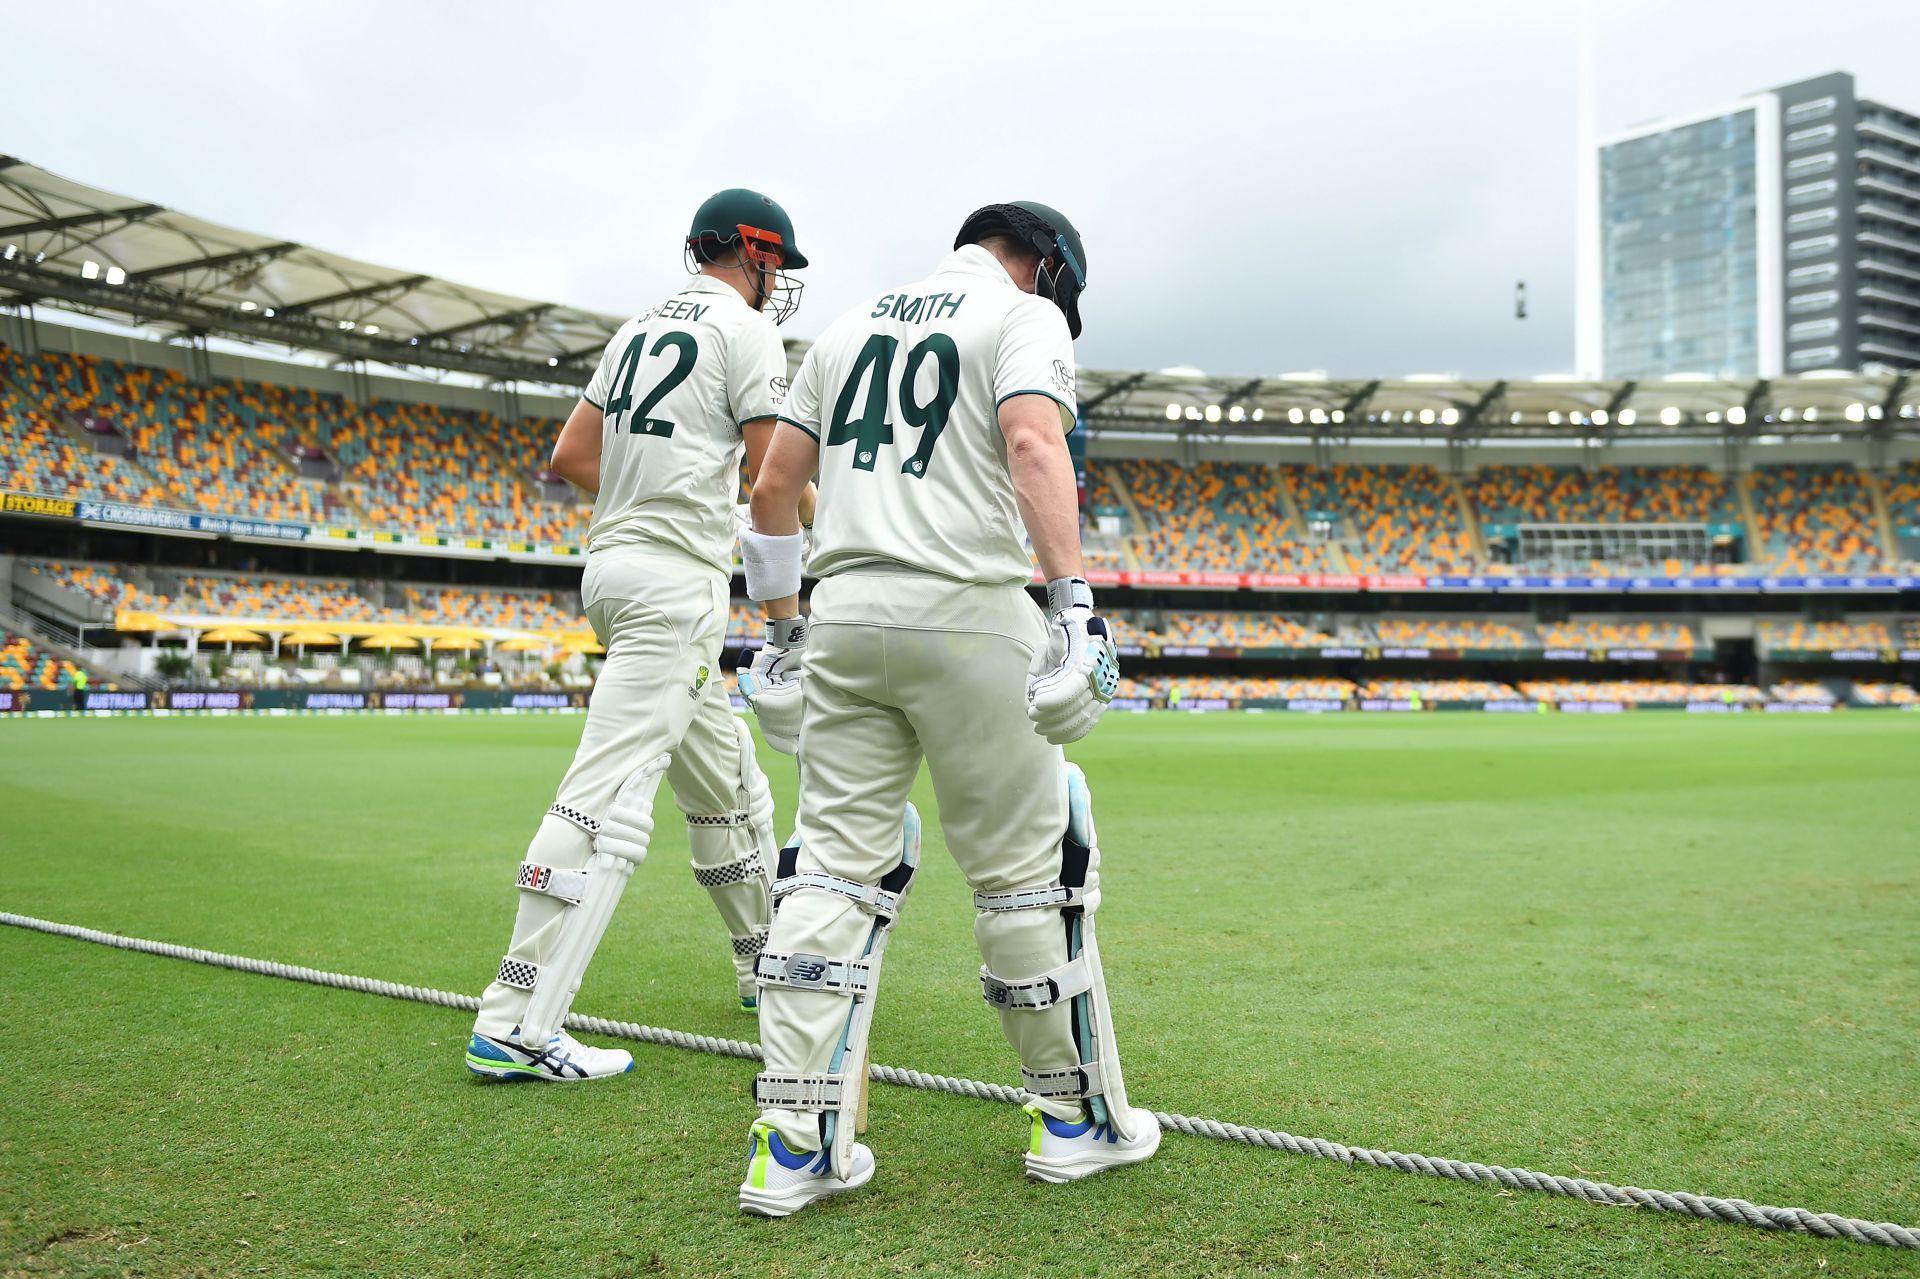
585, 646
521, 644
304, 638
128, 619
390, 641
458, 642
232, 635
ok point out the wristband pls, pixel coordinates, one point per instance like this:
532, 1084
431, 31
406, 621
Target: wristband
773, 564
786, 632
1064, 593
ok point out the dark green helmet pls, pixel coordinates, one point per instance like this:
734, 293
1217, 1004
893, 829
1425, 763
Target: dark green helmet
736, 214
1046, 231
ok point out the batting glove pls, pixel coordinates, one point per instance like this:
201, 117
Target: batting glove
1075, 676
771, 684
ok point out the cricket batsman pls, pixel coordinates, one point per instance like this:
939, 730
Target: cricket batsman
935, 415
681, 392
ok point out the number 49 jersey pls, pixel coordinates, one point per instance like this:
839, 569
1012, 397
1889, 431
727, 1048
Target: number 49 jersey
903, 394
675, 384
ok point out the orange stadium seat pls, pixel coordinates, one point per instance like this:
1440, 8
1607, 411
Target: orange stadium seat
25, 666
1814, 517
1823, 636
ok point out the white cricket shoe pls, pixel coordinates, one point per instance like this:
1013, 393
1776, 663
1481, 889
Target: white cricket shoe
564, 1060
781, 1182
1067, 1150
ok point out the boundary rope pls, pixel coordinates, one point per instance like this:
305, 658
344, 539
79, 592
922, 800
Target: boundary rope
1825, 1225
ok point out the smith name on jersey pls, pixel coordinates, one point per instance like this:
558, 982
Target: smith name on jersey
903, 393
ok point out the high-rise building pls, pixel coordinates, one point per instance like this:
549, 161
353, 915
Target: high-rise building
1776, 234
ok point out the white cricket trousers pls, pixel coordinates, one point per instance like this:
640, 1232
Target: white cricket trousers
899, 668
662, 616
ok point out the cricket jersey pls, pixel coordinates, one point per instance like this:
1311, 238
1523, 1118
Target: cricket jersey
676, 384
903, 393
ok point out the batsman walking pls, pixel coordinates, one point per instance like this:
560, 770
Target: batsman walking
936, 416
682, 392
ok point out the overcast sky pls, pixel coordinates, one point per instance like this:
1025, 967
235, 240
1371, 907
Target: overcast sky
1263, 188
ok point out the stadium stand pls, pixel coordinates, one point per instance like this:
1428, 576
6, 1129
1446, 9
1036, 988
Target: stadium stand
1198, 687
1814, 518
1224, 630
1214, 516
1450, 633
266, 598
1399, 518
37, 456
1438, 690
1823, 636
1637, 691
1639, 634
1792, 690
1881, 693
26, 666
1608, 495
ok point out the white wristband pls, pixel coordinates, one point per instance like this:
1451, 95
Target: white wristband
773, 564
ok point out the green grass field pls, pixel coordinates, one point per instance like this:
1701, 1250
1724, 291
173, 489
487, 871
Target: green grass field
1669, 951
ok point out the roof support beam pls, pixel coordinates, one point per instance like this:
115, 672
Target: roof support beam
131, 214
241, 257
1119, 388
365, 291
1891, 405
1481, 406
1358, 400
533, 312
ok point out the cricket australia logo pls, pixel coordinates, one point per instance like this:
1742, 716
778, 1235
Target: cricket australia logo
699, 682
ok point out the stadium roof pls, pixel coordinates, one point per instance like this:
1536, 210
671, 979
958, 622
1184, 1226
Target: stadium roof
1191, 402
95, 252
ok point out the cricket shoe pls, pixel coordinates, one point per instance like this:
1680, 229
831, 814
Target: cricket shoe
565, 1059
750, 1005
781, 1182
1067, 1150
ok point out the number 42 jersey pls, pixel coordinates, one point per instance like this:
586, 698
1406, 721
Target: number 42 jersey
675, 385
903, 395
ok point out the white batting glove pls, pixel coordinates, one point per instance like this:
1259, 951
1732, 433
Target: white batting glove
771, 684
1071, 680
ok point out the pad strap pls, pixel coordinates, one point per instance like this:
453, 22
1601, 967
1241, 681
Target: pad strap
518, 973
1039, 897
1036, 993
568, 812
798, 1092
568, 885
1087, 1080
739, 817
801, 971
871, 898
738, 871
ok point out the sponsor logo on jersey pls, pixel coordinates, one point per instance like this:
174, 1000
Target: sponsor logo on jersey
779, 386
1063, 376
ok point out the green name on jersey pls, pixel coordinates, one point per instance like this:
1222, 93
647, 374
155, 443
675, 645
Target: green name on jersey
912, 310
677, 309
